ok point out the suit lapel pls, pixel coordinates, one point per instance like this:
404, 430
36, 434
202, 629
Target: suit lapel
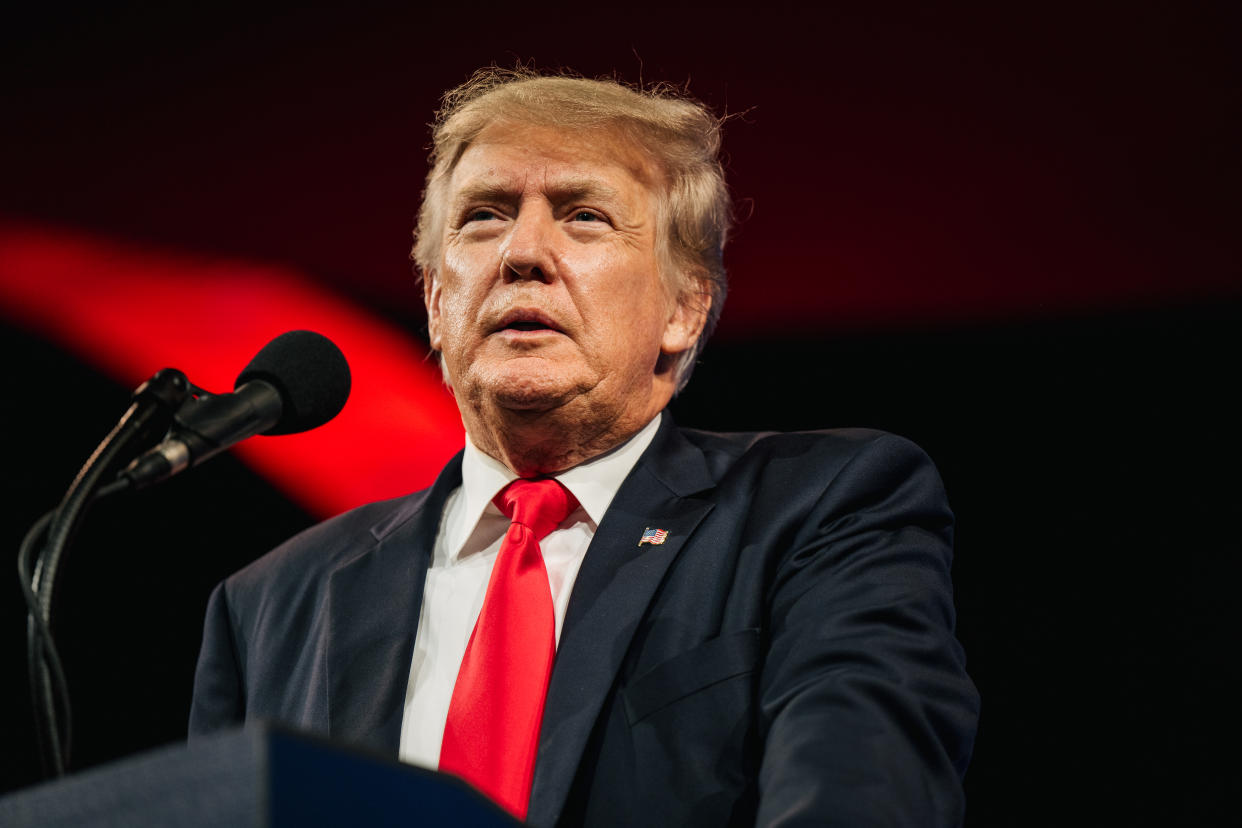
614, 586
374, 601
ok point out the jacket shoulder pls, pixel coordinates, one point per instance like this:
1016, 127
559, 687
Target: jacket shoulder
825, 449
307, 557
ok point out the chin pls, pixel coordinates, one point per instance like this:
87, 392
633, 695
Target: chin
525, 390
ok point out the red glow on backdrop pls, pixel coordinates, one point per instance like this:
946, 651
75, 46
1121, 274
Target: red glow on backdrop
131, 311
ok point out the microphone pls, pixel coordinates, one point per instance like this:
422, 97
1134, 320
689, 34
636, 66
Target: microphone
297, 382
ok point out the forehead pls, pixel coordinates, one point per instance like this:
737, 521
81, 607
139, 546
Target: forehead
518, 156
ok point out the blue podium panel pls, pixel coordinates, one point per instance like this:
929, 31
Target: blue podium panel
263, 776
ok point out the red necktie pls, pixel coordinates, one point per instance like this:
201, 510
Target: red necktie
492, 732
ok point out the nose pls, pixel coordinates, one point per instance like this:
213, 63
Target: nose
529, 252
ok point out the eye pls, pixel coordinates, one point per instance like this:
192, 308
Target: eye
586, 215
480, 215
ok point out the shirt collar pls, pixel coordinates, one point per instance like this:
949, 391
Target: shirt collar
595, 483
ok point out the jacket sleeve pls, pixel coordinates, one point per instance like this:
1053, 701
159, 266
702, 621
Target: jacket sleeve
219, 694
867, 714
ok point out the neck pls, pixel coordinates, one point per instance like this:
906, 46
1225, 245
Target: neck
532, 443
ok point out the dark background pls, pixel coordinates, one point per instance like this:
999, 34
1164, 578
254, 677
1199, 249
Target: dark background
1007, 233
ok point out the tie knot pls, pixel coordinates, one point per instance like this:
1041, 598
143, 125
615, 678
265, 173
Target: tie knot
540, 504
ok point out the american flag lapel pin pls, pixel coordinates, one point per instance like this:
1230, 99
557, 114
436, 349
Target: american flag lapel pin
655, 537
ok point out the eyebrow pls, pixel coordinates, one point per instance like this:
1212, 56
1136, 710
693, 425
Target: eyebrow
568, 189
574, 188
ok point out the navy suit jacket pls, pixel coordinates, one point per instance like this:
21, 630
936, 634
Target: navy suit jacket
785, 657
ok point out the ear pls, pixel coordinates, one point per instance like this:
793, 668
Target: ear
682, 330
431, 299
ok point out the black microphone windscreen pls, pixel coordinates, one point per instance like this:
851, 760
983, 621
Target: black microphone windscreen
309, 372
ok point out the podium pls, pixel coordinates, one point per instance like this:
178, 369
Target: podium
263, 775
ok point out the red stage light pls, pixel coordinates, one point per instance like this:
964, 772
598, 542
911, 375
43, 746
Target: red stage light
130, 310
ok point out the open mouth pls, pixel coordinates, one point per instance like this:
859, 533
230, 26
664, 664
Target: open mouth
527, 321
526, 326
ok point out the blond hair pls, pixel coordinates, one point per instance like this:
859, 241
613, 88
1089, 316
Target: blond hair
681, 135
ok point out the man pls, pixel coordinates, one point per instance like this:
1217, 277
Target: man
708, 629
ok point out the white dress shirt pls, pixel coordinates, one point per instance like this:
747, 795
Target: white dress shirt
465, 549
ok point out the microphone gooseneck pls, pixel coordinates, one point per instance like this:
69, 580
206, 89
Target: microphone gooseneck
297, 382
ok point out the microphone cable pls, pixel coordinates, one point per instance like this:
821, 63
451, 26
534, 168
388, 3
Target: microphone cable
148, 417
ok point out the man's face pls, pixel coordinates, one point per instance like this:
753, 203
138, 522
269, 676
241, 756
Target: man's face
548, 293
